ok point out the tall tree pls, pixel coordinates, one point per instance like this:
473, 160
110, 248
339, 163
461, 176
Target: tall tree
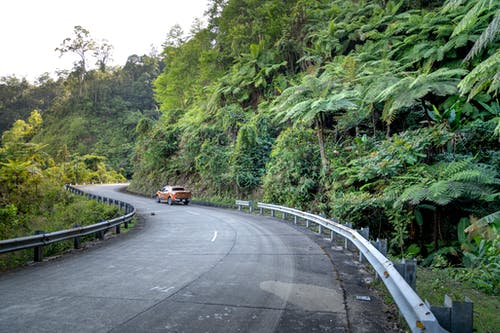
80, 44
103, 54
311, 102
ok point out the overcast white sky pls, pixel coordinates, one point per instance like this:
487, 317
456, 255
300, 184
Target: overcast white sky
30, 30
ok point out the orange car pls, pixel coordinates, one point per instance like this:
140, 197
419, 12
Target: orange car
171, 194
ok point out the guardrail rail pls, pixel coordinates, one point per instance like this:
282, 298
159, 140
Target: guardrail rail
243, 203
416, 313
41, 239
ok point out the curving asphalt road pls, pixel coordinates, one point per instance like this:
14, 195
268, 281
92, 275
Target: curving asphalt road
186, 269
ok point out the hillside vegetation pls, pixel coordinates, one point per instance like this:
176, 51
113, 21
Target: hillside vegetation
381, 113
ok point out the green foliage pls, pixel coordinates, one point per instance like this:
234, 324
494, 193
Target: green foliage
442, 183
433, 284
484, 77
381, 113
412, 88
481, 253
387, 158
293, 174
10, 221
31, 193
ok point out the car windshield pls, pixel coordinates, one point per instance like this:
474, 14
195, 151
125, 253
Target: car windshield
178, 189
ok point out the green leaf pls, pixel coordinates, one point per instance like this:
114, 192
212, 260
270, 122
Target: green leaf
418, 217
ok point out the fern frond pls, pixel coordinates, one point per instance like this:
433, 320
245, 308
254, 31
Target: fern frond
456, 189
470, 17
485, 76
475, 190
496, 132
486, 37
415, 194
295, 111
441, 192
452, 4
447, 170
479, 176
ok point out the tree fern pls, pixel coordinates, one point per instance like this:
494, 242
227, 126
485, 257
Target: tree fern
411, 89
445, 182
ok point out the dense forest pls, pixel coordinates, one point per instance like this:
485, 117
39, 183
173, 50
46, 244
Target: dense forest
381, 113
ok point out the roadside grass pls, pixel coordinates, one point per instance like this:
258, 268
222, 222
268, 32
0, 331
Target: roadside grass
81, 211
131, 225
434, 284
215, 200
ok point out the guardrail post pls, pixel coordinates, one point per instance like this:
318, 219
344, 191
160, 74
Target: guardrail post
117, 229
38, 250
284, 216
346, 241
334, 237
365, 233
76, 240
295, 219
100, 234
320, 227
250, 207
381, 246
261, 210
455, 317
272, 212
408, 270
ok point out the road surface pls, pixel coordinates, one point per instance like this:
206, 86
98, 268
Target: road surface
186, 269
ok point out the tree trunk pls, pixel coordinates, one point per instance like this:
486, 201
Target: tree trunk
435, 231
321, 141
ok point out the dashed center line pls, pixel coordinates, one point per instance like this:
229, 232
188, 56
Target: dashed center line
162, 289
215, 236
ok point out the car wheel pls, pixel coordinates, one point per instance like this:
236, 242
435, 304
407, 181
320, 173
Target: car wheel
158, 199
186, 202
169, 201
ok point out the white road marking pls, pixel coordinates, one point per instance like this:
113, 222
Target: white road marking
215, 236
162, 289
192, 213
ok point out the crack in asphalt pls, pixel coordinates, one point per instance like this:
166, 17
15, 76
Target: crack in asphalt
256, 307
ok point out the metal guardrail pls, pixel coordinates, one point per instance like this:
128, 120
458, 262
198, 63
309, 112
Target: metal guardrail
417, 314
38, 240
241, 203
